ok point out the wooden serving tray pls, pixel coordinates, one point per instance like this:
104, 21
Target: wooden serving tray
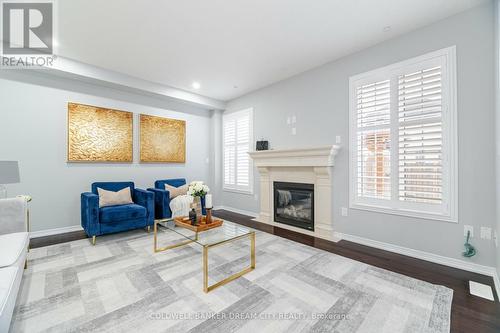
185, 222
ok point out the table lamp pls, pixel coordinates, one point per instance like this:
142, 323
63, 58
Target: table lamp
9, 174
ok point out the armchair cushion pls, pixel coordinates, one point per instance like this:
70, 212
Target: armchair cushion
12, 247
13, 213
112, 214
9, 276
111, 198
176, 191
112, 186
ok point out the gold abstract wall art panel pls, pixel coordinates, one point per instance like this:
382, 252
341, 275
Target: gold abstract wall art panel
99, 135
162, 139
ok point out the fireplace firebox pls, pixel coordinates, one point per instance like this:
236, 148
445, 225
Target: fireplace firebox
294, 204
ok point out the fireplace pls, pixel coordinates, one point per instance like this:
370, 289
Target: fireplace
294, 204
311, 165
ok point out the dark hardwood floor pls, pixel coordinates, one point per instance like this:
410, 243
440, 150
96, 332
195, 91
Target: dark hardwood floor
56, 239
469, 313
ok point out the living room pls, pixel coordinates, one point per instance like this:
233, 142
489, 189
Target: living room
235, 166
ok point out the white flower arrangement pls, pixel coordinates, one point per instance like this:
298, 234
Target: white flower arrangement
197, 189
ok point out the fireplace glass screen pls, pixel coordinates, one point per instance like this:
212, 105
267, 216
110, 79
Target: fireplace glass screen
294, 204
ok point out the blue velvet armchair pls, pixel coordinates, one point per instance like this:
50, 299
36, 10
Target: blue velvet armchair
100, 221
162, 197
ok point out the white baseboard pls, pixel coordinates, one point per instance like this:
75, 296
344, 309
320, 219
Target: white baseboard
497, 284
239, 211
435, 258
56, 231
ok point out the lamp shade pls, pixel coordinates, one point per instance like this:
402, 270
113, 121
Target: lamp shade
9, 172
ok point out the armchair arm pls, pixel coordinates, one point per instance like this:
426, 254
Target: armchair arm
146, 199
90, 213
162, 203
13, 215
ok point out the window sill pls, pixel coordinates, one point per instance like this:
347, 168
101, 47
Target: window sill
404, 212
249, 192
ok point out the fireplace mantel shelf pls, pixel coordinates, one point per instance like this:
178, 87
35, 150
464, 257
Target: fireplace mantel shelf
322, 156
304, 165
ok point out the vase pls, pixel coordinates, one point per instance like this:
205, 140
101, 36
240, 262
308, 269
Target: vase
197, 206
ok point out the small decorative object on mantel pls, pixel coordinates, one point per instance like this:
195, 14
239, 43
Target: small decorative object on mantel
262, 145
197, 190
192, 216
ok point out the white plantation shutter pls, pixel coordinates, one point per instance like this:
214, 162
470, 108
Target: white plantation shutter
230, 152
373, 104
373, 140
403, 138
237, 139
242, 148
420, 136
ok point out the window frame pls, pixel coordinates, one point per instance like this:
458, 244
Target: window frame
235, 188
448, 210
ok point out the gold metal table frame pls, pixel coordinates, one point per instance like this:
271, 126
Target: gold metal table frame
161, 249
206, 247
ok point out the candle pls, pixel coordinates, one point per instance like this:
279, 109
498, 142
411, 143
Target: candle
208, 201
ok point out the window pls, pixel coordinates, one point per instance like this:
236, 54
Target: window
403, 138
237, 140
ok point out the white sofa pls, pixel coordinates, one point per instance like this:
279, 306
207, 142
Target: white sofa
14, 242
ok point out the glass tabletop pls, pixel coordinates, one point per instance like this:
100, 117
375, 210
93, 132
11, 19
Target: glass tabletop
227, 231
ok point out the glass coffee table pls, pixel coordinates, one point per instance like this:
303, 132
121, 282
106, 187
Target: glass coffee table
226, 233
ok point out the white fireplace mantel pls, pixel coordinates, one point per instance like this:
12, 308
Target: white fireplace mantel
304, 165
313, 157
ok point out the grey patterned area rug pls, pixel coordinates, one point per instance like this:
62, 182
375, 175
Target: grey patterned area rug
119, 285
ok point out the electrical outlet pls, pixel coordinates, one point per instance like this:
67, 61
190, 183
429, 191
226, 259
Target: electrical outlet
294, 131
207, 160
255, 197
485, 233
469, 228
337, 139
294, 119
343, 211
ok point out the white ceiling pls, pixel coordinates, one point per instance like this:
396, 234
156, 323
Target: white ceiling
232, 46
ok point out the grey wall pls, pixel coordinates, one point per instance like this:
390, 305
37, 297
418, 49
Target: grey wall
33, 116
319, 99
